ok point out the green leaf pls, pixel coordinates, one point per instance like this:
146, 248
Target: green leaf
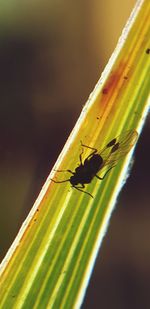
50, 262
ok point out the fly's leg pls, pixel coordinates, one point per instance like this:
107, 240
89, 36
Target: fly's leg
80, 156
101, 178
60, 181
64, 171
80, 189
93, 152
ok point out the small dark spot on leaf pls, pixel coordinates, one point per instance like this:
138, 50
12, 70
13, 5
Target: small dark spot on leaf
125, 77
97, 118
105, 91
148, 51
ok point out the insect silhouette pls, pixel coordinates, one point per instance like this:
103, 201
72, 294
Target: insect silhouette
96, 161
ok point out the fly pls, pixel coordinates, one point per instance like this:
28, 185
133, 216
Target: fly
107, 158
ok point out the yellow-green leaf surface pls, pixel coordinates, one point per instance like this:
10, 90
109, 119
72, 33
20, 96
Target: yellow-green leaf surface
49, 263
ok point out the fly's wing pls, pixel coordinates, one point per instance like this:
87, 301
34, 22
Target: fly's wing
118, 148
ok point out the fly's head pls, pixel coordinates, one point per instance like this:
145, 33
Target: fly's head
73, 180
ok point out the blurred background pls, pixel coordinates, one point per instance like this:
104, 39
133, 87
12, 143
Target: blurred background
51, 55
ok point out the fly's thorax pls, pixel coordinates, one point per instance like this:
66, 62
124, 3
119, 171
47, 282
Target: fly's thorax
96, 160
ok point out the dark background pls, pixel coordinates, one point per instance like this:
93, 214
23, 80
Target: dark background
51, 55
